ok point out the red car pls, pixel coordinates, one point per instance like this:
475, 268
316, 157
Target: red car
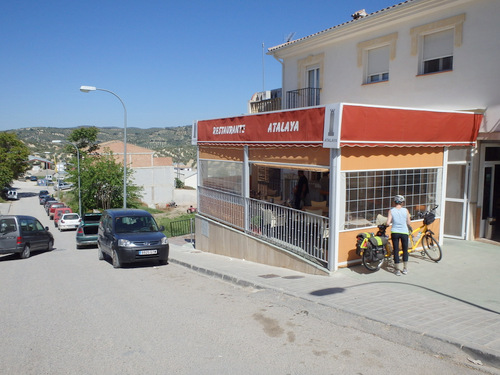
52, 209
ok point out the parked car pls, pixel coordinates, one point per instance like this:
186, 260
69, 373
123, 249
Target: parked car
47, 198
48, 203
129, 235
12, 195
86, 234
42, 193
52, 209
58, 212
33, 178
69, 221
23, 234
63, 186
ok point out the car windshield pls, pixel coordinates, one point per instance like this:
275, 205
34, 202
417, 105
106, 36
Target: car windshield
71, 217
130, 224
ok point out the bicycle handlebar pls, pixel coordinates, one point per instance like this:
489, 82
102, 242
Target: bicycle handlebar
421, 214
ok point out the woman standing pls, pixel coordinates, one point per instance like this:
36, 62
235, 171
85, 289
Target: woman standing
399, 217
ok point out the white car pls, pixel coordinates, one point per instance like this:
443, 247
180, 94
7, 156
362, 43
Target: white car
69, 221
12, 195
63, 186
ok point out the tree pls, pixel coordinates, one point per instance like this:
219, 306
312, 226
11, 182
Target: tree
85, 138
14, 156
101, 179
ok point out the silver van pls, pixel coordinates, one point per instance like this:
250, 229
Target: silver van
23, 234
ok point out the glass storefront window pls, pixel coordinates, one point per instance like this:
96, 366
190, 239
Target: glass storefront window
222, 175
370, 193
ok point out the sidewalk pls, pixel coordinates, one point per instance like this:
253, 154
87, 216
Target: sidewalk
456, 300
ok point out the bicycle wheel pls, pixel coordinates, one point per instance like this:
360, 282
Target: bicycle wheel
370, 263
432, 248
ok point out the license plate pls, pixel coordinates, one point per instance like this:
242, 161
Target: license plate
148, 252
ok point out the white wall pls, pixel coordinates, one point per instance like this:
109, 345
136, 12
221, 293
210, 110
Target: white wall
473, 84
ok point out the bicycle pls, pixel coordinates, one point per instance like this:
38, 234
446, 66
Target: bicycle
374, 249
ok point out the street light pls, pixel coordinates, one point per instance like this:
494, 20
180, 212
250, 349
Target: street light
92, 88
78, 161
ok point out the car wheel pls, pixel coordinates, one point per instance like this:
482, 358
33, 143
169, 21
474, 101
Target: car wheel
116, 260
26, 252
50, 245
100, 254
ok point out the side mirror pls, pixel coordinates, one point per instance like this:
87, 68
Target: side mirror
161, 228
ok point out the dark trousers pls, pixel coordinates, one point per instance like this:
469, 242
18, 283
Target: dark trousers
396, 237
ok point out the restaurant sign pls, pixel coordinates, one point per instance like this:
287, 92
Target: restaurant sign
303, 126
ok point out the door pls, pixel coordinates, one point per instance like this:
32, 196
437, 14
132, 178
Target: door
491, 201
40, 236
456, 200
8, 234
457, 193
313, 85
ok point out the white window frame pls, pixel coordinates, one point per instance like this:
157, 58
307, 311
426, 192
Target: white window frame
364, 49
419, 33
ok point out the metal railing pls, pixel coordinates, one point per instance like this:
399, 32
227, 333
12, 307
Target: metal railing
302, 233
181, 227
267, 105
307, 97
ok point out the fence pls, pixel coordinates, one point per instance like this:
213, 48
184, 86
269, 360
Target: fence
182, 227
303, 233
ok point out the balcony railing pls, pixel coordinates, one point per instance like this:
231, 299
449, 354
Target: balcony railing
307, 97
302, 233
266, 105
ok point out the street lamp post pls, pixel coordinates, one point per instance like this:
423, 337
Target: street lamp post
78, 163
92, 88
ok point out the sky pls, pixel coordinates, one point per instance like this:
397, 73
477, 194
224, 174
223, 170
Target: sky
170, 62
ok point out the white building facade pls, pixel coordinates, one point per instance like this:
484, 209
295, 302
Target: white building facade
432, 54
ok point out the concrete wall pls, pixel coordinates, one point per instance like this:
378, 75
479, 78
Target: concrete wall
219, 239
185, 197
157, 184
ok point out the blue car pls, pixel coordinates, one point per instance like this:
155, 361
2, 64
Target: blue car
129, 235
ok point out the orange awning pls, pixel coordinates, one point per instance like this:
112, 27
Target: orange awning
358, 125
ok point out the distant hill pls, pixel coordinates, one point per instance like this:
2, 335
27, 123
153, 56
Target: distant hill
174, 142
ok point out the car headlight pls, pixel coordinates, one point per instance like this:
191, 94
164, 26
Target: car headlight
125, 243
164, 241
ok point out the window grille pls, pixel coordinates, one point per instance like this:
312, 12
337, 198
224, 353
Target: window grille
370, 193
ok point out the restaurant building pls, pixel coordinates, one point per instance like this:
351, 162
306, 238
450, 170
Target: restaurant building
426, 124
248, 169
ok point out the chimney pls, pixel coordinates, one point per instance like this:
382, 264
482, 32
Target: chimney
359, 14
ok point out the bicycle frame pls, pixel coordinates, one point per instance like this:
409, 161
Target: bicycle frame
426, 242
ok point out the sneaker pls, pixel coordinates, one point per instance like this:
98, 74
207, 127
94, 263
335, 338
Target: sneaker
397, 273
405, 272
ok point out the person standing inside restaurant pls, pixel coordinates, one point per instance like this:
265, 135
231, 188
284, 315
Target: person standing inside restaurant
325, 187
301, 191
399, 217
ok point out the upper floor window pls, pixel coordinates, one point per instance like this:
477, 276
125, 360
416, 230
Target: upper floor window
374, 56
435, 42
437, 53
378, 65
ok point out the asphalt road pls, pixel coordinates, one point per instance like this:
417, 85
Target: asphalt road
66, 312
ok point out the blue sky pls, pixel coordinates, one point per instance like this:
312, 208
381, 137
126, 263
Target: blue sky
171, 63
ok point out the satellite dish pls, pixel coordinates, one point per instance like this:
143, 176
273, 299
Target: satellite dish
289, 37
